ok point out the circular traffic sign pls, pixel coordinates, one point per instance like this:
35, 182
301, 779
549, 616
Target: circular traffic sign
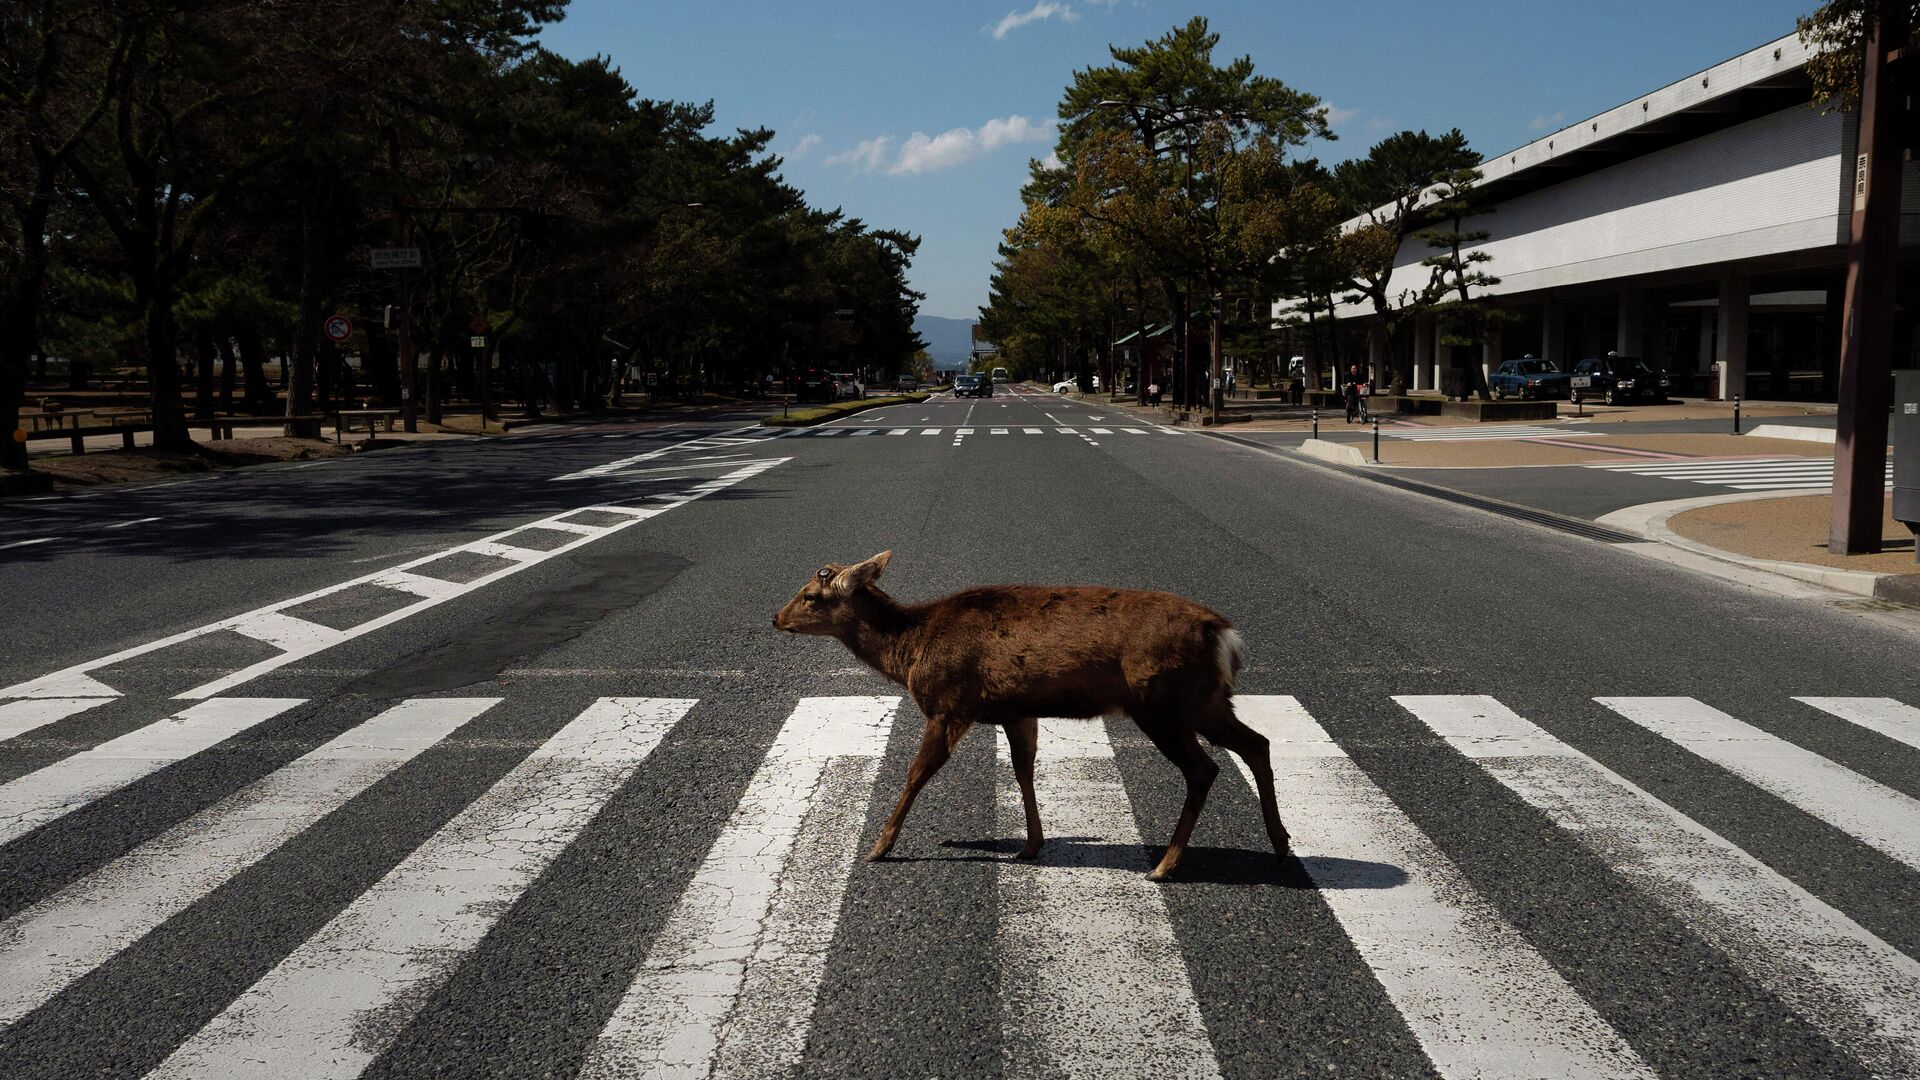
337, 328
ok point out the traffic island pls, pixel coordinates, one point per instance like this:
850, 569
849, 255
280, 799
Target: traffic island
820, 414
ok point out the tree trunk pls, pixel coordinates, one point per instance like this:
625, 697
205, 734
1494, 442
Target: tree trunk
223, 342
435, 357
16, 350
306, 333
202, 339
253, 367
163, 367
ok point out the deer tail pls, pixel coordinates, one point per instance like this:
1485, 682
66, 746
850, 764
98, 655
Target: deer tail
1228, 652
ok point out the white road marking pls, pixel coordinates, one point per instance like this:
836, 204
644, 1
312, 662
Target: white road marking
48, 946
1066, 431
729, 987
49, 793
301, 639
1863, 992
20, 717
1031, 431
931, 431
1480, 1000
1099, 430
135, 521
730, 437
1092, 983
333, 1004
999, 431
30, 543
1898, 722
899, 431
1870, 812
1133, 431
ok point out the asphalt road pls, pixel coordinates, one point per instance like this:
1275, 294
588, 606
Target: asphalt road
560, 802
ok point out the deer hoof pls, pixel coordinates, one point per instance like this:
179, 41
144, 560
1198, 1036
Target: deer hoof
1031, 851
879, 851
1159, 873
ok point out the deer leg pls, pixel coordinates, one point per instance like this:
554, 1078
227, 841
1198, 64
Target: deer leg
1184, 750
936, 745
1023, 740
1224, 729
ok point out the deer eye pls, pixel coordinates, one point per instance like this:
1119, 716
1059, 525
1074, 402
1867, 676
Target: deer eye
826, 575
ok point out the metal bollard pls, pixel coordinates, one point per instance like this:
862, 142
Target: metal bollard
1316, 423
1376, 440
1736, 414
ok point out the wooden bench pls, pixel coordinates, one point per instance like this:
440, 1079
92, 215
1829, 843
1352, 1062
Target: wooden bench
343, 421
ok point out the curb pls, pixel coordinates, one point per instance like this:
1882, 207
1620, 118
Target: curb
859, 407
1338, 453
1650, 520
1794, 433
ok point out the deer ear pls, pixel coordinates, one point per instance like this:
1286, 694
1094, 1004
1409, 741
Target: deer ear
864, 573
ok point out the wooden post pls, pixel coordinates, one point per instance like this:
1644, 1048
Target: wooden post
1866, 351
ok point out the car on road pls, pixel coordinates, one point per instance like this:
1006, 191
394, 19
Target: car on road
1528, 379
850, 386
1618, 380
816, 385
1065, 386
976, 386
908, 382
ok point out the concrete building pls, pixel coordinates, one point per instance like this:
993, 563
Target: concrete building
1702, 226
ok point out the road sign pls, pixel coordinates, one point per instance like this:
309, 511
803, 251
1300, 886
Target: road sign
394, 258
653, 378
337, 328
477, 341
1581, 382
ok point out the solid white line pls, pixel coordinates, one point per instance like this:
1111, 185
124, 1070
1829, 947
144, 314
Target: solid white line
48, 946
1092, 982
1870, 812
75, 682
729, 987
715, 440
1898, 722
1863, 993
1478, 998
30, 543
46, 794
124, 524
20, 717
334, 1003
1050, 416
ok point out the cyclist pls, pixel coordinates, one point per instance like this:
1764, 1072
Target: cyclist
1354, 388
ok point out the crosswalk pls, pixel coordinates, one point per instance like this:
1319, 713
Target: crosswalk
851, 432
1477, 434
1085, 947
1742, 474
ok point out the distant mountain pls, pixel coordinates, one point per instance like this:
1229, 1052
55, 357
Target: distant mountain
949, 341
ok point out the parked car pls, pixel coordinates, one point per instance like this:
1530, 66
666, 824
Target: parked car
908, 382
850, 386
816, 385
1618, 380
1528, 379
975, 386
1065, 386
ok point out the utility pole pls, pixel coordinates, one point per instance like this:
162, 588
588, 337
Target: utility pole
1866, 350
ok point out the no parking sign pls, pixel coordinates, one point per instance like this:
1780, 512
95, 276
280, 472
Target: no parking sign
338, 328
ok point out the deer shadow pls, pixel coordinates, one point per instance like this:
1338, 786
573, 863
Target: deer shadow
1202, 865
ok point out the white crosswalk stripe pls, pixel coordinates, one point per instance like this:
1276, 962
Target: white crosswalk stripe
1742, 474
1861, 990
1481, 1001
1469, 434
1084, 946
374, 956
728, 988
1069, 922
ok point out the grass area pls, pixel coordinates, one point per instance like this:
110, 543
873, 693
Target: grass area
821, 413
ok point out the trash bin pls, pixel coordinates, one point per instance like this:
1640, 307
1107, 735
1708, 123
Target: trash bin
1904, 433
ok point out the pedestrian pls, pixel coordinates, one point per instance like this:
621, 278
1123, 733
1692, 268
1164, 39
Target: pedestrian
1232, 384
1153, 394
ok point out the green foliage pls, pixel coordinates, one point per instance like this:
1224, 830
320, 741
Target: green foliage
1837, 33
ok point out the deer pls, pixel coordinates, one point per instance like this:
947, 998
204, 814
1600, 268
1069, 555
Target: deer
1006, 655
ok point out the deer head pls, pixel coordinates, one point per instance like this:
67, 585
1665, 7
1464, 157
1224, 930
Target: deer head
823, 605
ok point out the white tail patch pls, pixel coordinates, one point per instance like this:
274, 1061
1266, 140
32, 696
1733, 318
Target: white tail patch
1227, 652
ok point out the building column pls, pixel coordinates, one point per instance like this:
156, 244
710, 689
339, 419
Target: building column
1380, 369
1423, 353
1552, 342
1490, 350
1730, 346
1630, 335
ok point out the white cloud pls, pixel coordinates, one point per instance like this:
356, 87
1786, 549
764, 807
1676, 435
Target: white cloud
1379, 123
866, 156
1337, 116
1042, 9
923, 153
1053, 160
808, 144
1550, 121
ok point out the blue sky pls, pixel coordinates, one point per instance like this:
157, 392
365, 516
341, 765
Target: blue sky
922, 116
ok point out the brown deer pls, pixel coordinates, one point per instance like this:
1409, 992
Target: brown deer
1008, 654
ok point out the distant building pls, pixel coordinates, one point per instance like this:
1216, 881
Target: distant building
1702, 226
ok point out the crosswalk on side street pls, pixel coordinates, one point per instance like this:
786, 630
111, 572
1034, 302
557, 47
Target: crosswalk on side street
731, 981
